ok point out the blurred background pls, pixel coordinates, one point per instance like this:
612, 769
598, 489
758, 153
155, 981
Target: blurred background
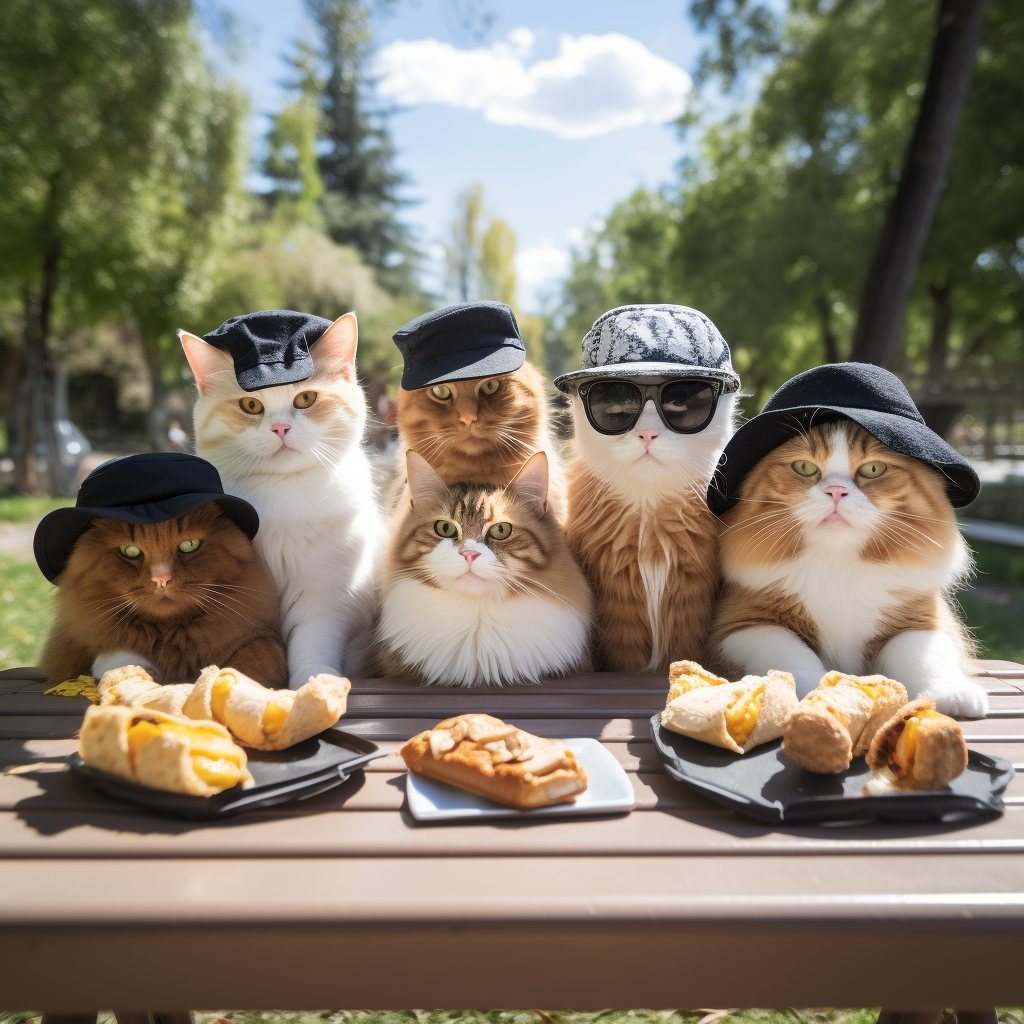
827, 179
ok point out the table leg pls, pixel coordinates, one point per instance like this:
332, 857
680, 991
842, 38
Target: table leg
69, 1018
913, 1017
977, 1016
150, 1017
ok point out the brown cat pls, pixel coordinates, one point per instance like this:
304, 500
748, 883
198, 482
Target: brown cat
179, 595
481, 431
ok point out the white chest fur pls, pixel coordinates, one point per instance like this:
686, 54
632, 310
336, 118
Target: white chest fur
462, 640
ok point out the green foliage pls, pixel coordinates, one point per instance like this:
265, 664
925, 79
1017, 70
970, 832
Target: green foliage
21, 508
26, 611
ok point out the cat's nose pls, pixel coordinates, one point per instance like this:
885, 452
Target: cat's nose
648, 436
160, 581
470, 555
280, 429
837, 491
467, 417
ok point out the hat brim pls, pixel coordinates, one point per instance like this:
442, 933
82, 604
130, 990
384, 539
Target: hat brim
640, 369
505, 356
58, 531
273, 375
769, 430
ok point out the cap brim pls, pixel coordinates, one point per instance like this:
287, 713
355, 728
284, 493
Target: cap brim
273, 375
638, 369
58, 531
768, 430
447, 367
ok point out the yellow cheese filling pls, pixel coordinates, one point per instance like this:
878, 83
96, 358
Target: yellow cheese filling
684, 684
741, 714
215, 759
906, 746
276, 714
819, 697
219, 693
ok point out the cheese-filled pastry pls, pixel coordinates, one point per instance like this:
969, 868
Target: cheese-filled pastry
492, 759
267, 719
684, 676
918, 748
132, 686
837, 722
738, 716
163, 752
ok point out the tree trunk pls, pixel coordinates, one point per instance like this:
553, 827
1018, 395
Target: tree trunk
156, 422
938, 413
909, 217
829, 341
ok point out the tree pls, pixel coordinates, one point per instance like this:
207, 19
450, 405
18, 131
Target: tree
480, 260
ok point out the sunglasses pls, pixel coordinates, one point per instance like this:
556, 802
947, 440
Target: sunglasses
685, 406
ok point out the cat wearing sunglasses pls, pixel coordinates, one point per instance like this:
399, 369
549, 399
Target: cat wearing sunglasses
638, 523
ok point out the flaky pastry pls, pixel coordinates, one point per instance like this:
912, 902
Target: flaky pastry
684, 676
486, 756
161, 751
918, 748
837, 721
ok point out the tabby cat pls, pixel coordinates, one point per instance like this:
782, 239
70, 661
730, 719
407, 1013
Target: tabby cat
480, 585
480, 431
295, 452
840, 554
173, 596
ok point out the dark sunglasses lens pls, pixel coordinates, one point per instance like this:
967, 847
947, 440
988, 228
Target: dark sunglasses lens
614, 405
687, 404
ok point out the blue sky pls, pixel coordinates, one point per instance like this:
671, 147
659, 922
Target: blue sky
508, 110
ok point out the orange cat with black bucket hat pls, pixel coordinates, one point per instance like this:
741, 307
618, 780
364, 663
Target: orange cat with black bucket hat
840, 547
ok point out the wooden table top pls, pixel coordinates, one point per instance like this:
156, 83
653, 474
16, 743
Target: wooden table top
343, 900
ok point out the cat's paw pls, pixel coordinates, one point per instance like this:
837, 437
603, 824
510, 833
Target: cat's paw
959, 698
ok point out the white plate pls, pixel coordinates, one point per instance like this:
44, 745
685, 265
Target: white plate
608, 790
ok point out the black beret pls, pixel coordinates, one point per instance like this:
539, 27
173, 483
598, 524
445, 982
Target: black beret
150, 488
867, 394
460, 342
270, 348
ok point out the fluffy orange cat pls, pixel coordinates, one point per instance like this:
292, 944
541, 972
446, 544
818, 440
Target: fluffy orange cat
481, 431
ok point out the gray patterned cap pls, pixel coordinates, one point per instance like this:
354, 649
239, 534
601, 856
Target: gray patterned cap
654, 341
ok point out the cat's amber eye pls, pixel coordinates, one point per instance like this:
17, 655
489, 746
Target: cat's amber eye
304, 399
188, 546
253, 406
872, 469
804, 468
489, 387
441, 392
443, 528
130, 550
500, 531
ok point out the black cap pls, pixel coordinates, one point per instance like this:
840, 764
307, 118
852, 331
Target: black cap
870, 396
270, 348
149, 488
460, 342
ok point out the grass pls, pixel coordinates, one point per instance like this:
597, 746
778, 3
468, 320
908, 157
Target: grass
26, 611
22, 508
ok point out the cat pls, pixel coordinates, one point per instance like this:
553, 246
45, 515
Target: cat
840, 555
481, 431
295, 453
480, 587
639, 526
173, 597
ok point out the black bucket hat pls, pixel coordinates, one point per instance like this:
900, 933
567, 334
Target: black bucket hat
148, 488
870, 396
460, 342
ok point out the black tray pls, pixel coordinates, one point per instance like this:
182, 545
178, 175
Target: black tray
302, 771
766, 785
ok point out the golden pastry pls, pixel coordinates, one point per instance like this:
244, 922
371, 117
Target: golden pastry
163, 752
492, 759
918, 748
837, 721
132, 686
684, 676
738, 716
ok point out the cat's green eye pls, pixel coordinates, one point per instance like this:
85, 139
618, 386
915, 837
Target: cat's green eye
304, 399
441, 392
130, 550
489, 387
872, 469
443, 528
188, 546
500, 531
804, 468
253, 406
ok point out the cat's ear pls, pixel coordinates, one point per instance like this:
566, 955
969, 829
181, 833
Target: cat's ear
427, 489
531, 482
205, 360
335, 349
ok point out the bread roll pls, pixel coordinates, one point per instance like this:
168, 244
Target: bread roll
919, 748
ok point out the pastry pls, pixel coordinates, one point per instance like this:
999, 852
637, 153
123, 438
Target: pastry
492, 759
918, 748
256, 715
684, 676
837, 721
738, 716
158, 750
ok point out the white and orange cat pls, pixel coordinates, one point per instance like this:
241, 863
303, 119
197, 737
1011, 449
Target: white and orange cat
295, 452
480, 586
841, 554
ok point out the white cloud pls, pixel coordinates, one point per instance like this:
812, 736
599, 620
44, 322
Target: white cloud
539, 270
593, 86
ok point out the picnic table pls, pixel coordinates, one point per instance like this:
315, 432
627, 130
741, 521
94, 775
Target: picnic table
344, 901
